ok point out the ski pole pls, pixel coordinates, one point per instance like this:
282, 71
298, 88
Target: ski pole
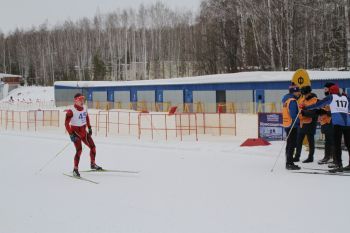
53, 158
285, 142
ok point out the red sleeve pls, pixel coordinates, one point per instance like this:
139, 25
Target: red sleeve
88, 121
69, 116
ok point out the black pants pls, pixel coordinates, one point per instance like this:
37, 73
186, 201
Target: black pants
328, 132
291, 144
339, 131
310, 134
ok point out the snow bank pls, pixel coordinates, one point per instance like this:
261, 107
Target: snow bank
31, 94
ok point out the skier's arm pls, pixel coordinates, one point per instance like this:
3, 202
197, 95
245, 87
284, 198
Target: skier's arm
88, 121
88, 124
321, 103
69, 116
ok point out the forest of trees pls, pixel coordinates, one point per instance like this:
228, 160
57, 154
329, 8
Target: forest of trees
157, 42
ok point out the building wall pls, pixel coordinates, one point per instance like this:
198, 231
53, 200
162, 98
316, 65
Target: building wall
65, 96
247, 96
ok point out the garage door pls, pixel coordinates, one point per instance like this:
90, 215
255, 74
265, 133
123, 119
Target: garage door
146, 99
175, 98
99, 99
122, 99
207, 98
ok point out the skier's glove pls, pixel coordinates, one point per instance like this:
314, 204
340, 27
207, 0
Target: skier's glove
90, 131
73, 138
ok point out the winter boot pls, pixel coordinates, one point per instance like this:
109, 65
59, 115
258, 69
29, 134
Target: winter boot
347, 168
292, 166
96, 167
338, 168
323, 161
296, 159
76, 172
308, 160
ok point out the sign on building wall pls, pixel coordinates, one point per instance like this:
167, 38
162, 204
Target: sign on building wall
270, 126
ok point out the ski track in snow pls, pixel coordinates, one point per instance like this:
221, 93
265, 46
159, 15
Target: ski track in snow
183, 187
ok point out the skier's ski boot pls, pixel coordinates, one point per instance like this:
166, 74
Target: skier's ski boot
96, 167
308, 160
292, 166
76, 172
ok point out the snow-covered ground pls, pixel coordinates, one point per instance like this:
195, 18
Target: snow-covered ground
31, 94
183, 187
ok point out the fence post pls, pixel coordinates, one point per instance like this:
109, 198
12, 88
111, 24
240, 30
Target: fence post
166, 129
13, 120
139, 125
152, 125
204, 124
219, 124
195, 118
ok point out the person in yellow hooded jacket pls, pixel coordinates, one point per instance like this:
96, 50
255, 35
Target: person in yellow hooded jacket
308, 124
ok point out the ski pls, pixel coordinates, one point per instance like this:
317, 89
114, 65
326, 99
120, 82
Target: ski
324, 169
317, 169
321, 173
80, 178
107, 170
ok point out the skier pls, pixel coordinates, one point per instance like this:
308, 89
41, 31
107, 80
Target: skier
290, 112
339, 105
325, 120
77, 119
308, 123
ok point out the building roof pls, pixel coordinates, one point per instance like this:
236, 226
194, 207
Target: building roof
2, 75
243, 77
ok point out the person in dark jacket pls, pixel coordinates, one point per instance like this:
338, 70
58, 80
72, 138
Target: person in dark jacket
325, 119
291, 124
340, 110
308, 123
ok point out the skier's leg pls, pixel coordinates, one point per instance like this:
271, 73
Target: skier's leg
78, 148
90, 143
300, 139
337, 145
291, 144
311, 139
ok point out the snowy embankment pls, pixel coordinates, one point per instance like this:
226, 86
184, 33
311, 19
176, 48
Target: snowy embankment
182, 187
31, 94
29, 98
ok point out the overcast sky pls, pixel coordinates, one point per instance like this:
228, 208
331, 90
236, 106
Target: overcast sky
26, 13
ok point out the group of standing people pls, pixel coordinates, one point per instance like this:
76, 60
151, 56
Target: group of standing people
302, 111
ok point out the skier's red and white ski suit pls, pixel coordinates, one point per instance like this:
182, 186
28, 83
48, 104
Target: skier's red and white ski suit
77, 119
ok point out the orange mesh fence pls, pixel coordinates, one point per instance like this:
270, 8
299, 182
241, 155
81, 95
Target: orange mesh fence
123, 122
27, 120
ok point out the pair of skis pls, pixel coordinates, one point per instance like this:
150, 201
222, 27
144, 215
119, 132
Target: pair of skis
320, 171
97, 171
